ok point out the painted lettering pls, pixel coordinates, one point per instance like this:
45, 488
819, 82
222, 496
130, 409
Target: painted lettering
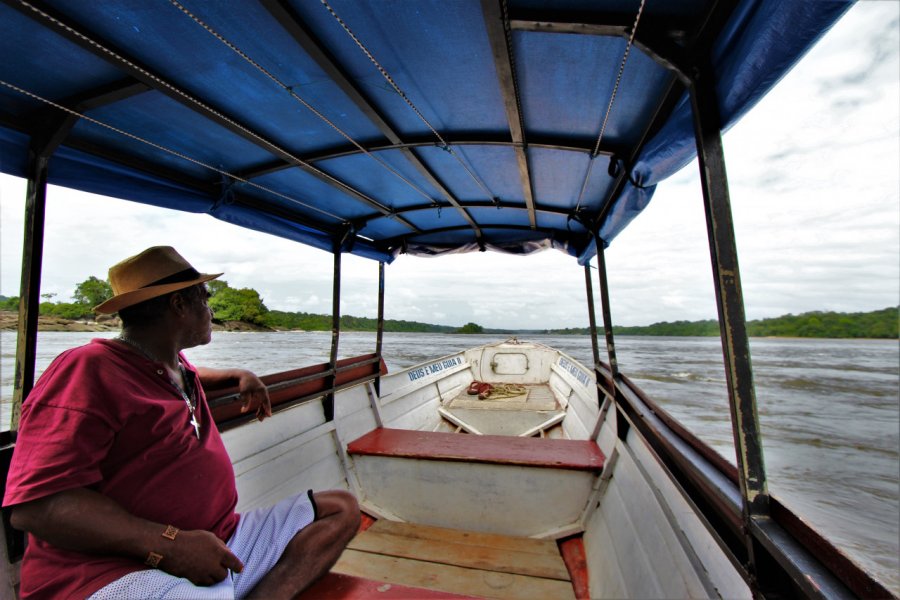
416, 374
437, 367
573, 370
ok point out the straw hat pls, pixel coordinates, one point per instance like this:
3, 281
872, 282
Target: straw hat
154, 272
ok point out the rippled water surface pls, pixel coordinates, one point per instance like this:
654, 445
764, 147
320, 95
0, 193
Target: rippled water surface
829, 409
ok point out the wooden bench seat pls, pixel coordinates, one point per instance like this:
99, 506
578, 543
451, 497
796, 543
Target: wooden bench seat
578, 455
441, 560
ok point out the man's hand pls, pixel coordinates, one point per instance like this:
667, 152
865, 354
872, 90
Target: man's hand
252, 391
254, 395
198, 556
85, 521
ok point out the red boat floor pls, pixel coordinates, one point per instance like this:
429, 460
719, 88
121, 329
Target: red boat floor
335, 586
391, 560
582, 455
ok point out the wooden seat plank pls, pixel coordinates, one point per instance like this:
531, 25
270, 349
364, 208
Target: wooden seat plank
459, 536
462, 555
449, 578
580, 455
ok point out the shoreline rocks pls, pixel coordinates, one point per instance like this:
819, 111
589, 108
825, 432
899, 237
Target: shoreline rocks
9, 322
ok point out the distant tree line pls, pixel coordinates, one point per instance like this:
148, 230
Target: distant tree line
230, 304
245, 304
88, 294
883, 323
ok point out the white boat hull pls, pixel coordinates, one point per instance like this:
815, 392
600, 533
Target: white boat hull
641, 536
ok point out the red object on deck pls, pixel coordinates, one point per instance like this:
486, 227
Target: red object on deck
365, 521
579, 455
572, 551
346, 587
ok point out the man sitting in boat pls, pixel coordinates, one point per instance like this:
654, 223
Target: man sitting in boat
120, 476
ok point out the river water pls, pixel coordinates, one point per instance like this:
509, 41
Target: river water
829, 409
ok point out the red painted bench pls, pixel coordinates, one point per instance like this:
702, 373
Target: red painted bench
579, 455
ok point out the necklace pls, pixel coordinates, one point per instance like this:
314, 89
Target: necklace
191, 406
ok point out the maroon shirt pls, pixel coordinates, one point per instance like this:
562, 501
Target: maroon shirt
105, 418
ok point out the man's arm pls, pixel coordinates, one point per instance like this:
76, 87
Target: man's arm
85, 521
252, 390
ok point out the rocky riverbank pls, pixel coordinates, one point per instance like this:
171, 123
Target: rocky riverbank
9, 321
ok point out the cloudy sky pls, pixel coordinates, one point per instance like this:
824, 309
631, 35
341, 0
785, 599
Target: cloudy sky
815, 194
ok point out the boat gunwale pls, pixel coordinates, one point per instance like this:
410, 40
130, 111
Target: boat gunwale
297, 386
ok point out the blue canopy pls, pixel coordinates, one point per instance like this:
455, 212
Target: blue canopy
385, 126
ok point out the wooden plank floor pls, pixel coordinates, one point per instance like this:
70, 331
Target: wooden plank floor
460, 562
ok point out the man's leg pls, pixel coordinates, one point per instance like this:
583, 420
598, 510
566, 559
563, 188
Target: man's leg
314, 549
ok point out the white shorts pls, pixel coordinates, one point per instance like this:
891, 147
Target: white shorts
259, 540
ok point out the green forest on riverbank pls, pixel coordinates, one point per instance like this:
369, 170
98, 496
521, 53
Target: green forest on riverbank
884, 323
245, 305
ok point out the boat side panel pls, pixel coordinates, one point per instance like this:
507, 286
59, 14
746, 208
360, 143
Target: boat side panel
656, 568
287, 454
580, 417
718, 568
645, 541
353, 412
561, 390
417, 407
401, 383
313, 465
418, 410
578, 383
607, 575
254, 437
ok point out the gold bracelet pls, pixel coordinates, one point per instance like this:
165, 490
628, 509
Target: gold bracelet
170, 532
153, 559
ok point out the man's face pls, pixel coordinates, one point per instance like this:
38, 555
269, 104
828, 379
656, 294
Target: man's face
199, 322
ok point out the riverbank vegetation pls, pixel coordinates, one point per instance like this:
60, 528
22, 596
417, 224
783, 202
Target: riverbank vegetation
244, 305
883, 324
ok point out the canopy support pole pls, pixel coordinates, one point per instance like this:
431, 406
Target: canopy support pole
607, 317
622, 424
730, 303
44, 143
30, 288
328, 401
592, 317
379, 335
608, 387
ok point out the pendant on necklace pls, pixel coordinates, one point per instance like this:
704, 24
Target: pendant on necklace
191, 407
